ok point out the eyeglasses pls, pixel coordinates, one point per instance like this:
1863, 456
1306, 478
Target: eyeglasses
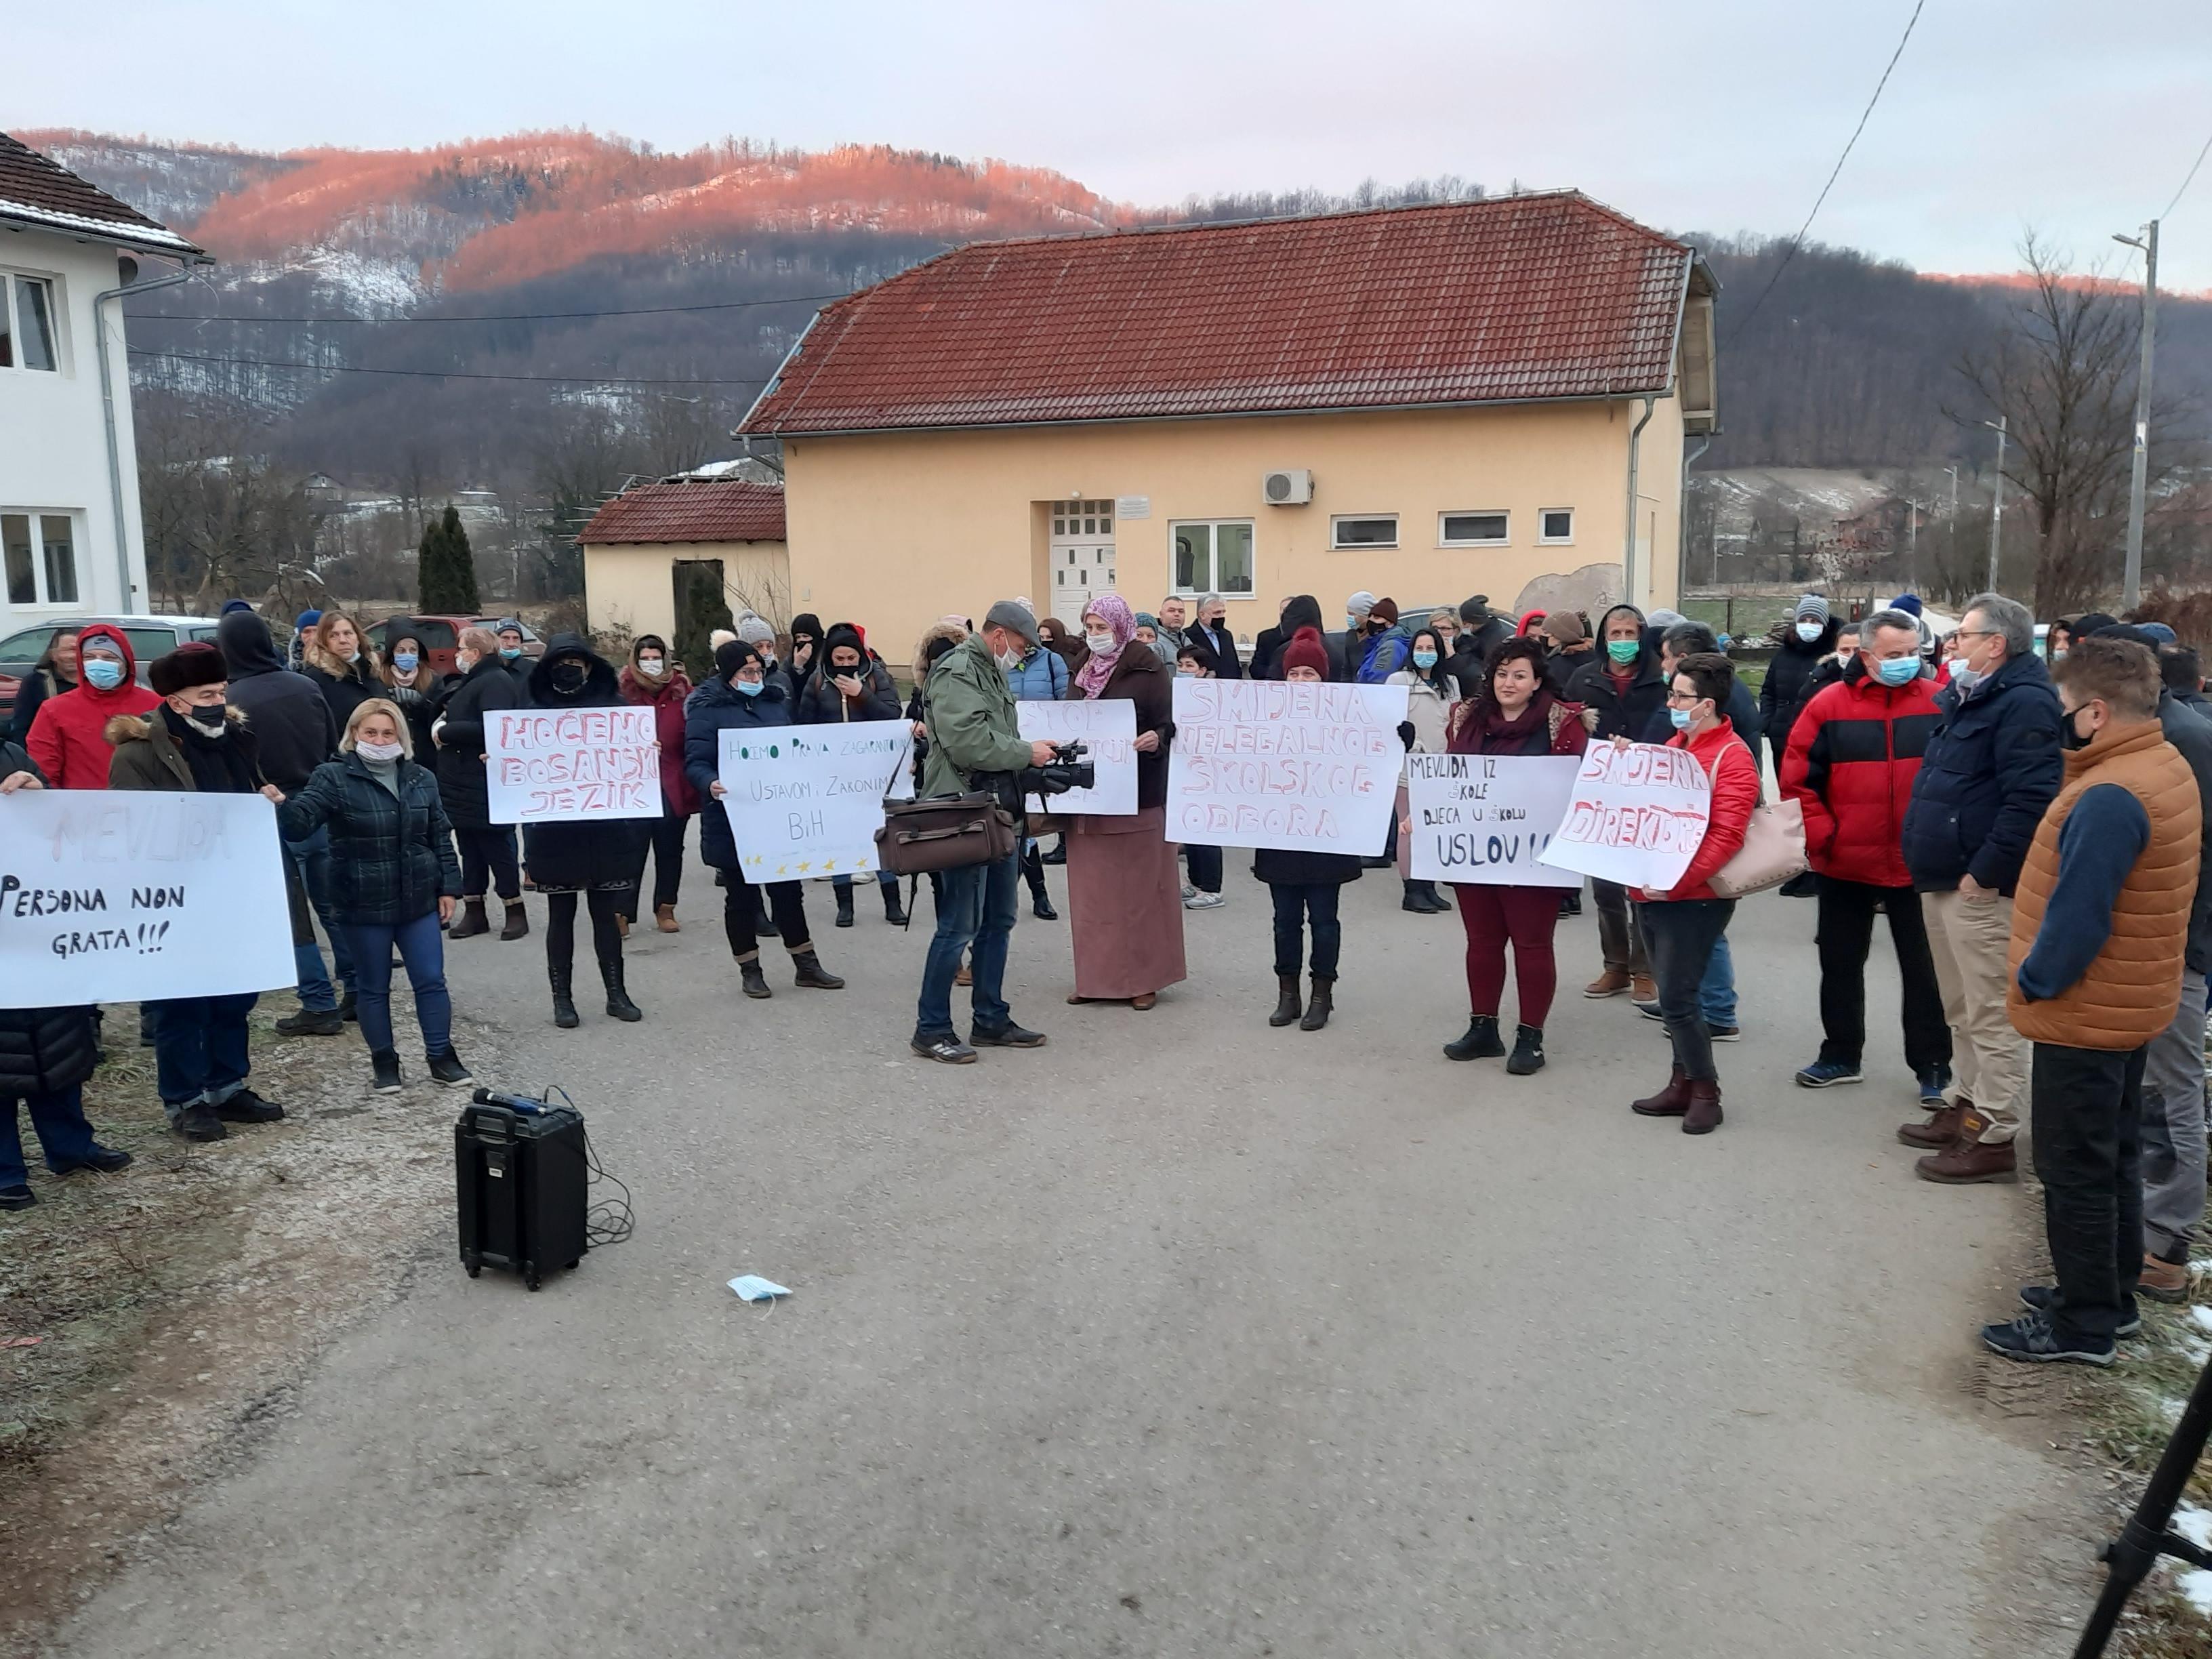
1689, 697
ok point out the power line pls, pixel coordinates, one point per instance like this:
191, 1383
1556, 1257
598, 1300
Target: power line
492, 317
435, 374
2185, 183
1798, 240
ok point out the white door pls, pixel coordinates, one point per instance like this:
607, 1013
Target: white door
1082, 559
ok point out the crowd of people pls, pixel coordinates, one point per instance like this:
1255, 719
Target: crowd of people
2031, 822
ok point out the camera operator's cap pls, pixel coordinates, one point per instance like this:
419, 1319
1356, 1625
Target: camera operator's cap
1010, 614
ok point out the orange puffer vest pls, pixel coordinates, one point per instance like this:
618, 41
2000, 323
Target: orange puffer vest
2131, 992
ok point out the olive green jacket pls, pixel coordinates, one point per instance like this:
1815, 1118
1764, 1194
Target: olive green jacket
969, 710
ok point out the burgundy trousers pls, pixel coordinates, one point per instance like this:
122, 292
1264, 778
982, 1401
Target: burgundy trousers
1492, 916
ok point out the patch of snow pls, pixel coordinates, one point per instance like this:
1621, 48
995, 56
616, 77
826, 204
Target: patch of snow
2195, 1525
2201, 1316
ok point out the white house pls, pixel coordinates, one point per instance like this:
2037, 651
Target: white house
70, 541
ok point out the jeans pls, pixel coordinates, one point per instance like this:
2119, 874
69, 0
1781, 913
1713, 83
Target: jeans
668, 835
422, 949
1297, 905
1204, 866
488, 862
1678, 935
200, 1050
58, 1120
741, 916
1970, 939
1846, 925
2173, 1127
1619, 938
1492, 916
976, 904
1716, 990
312, 855
2085, 1110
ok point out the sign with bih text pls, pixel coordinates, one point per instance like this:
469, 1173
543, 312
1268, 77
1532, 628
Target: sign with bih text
1108, 727
1302, 768
807, 800
135, 896
1636, 816
560, 765
1486, 819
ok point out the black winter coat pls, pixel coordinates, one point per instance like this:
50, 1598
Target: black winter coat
1790, 685
1222, 642
483, 691
391, 858
593, 852
45, 1050
1992, 766
1279, 868
288, 714
344, 692
1619, 714
33, 689
711, 710
822, 703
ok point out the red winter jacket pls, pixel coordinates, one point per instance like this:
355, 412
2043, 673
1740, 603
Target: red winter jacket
1853, 753
1734, 778
68, 737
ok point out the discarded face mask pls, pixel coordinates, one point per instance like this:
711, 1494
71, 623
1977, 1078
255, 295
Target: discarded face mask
753, 1288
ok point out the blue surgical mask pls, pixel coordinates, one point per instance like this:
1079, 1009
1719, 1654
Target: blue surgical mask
1809, 631
510, 651
748, 688
1425, 659
1186, 673
1898, 670
405, 661
1681, 717
104, 672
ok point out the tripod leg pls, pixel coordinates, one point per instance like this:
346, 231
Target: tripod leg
2129, 1557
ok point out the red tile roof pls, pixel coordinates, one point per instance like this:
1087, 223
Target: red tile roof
717, 510
38, 191
1513, 298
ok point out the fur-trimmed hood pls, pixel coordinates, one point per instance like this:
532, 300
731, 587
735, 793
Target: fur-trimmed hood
139, 728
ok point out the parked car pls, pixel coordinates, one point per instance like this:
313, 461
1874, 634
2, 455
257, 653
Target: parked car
441, 637
150, 636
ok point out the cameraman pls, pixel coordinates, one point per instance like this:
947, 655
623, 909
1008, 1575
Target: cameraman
968, 709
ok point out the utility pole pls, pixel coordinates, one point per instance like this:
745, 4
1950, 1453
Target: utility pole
2131, 581
1912, 546
1996, 499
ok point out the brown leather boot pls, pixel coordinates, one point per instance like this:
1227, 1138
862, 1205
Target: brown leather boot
1287, 1004
1704, 1114
1673, 1101
663, 917
1968, 1159
1610, 983
2163, 1280
1939, 1131
470, 921
1641, 987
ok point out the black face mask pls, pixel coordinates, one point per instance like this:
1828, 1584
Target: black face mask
2069, 737
569, 676
212, 719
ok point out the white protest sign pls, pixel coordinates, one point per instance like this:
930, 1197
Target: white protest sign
1110, 728
807, 800
1302, 768
135, 896
1635, 817
1486, 819
558, 765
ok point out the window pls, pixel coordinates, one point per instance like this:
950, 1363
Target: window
1471, 529
1083, 517
1212, 556
1555, 525
39, 550
1373, 529
27, 323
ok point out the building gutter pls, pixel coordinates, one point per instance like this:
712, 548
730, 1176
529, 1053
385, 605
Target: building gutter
1628, 542
128, 590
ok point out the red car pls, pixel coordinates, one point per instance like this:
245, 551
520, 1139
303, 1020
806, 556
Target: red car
441, 637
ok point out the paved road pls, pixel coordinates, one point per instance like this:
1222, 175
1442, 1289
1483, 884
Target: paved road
1182, 1336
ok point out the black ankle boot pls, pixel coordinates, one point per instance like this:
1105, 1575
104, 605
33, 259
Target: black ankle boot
809, 974
1319, 1005
1288, 1009
619, 1006
845, 906
564, 976
1527, 1051
1481, 1041
755, 982
470, 921
893, 911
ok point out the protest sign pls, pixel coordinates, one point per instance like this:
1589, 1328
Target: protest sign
1487, 819
807, 800
1635, 817
1110, 728
1300, 767
558, 765
138, 895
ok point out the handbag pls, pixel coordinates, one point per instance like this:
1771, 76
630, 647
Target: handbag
1773, 851
943, 832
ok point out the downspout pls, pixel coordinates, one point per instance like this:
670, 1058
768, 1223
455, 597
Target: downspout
126, 588
1628, 544
1682, 514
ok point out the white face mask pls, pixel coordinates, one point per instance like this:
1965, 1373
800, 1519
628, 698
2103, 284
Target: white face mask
1102, 643
378, 751
1009, 660
649, 666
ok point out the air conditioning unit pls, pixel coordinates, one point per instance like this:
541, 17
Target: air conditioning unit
1290, 486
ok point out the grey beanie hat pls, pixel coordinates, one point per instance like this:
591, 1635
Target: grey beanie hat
1813, 605
1664, 617
753, 630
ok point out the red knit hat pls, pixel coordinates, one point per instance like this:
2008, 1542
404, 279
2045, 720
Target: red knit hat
1306, 650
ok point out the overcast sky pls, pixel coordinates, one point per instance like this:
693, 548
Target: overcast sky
2078, 117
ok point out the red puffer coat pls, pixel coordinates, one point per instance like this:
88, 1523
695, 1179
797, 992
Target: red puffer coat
1734, 779
69, 736
1852, 757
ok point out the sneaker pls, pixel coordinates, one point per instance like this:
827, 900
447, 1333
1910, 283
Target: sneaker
2039, 1298
197, 1122
246, 1107
1009, 1035
1724, 1033
1203, 901
1935, 1082
1190, 892
946, 1050
105, 1159
385, 1064
17, 1198
447, 1068
2033, 1337
310, 1022
1648, 1010
1826, 1073
1610, 983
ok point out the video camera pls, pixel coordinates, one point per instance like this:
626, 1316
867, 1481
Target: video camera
1069, 769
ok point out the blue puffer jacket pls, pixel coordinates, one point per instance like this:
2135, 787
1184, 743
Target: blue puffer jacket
1040, 676
1991, 769
711, 710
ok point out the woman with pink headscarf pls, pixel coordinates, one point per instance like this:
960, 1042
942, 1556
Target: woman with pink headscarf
1124, 890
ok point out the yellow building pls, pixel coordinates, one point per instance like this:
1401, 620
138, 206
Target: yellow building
1425, 402
644, 548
